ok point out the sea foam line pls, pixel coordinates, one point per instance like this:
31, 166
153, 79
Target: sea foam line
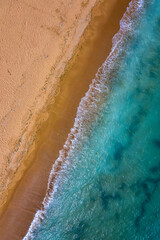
88, 107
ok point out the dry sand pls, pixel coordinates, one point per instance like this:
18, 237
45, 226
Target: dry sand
45, 54
37, 38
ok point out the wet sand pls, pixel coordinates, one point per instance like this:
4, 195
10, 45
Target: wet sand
30, 189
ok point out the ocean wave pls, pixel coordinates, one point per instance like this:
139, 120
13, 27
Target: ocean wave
89, 107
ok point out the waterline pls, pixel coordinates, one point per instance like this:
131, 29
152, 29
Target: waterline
89, 107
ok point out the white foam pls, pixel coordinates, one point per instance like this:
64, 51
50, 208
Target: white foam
88, 107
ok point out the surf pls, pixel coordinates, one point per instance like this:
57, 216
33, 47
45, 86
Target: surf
94, 166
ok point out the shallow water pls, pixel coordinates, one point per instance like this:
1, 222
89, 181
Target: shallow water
110, 186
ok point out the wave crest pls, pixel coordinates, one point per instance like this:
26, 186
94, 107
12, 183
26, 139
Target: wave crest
88, 107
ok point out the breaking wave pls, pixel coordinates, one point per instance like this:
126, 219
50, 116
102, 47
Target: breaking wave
89, 105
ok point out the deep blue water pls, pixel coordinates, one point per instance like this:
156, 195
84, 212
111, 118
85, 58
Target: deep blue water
111, 188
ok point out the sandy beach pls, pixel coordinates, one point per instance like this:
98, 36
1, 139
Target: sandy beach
39, 103
37, 40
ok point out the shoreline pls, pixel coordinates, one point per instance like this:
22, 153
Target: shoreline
96, 41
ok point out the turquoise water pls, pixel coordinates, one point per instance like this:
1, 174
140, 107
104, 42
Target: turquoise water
110, 185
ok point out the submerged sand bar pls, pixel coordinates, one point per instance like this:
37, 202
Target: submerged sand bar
37, 84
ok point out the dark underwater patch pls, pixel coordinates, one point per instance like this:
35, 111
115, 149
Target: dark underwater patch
122, 186
117, 216
155, 168
158, 22
156, 143
134, 125
106, 197
78, 230
152, 74
148, 193
119, 149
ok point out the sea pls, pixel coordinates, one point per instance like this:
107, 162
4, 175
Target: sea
107, 186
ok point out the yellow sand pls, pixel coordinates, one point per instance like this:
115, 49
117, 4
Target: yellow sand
37, 38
